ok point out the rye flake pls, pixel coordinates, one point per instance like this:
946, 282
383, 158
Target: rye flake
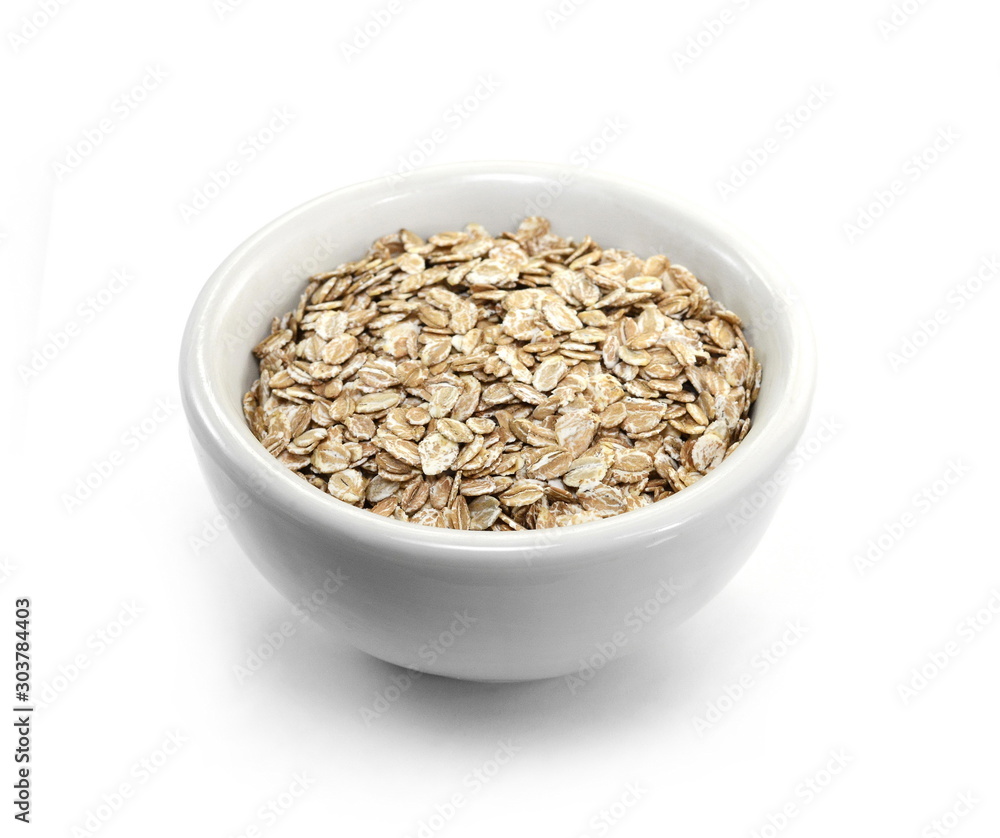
523, 381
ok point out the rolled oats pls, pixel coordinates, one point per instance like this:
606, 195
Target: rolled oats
503, 383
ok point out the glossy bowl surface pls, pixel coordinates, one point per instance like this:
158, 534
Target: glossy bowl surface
485, 605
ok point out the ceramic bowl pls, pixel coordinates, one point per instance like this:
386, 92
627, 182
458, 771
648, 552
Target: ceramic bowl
492, 605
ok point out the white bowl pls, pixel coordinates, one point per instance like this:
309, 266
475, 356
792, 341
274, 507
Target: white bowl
491, 605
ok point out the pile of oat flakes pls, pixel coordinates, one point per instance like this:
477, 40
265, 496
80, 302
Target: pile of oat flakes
517, 382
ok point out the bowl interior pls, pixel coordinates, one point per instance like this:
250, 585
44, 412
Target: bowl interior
265, 276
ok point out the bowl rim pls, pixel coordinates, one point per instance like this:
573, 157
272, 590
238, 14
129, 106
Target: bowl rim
240, 455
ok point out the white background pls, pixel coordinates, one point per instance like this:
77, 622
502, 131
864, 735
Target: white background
606, 85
